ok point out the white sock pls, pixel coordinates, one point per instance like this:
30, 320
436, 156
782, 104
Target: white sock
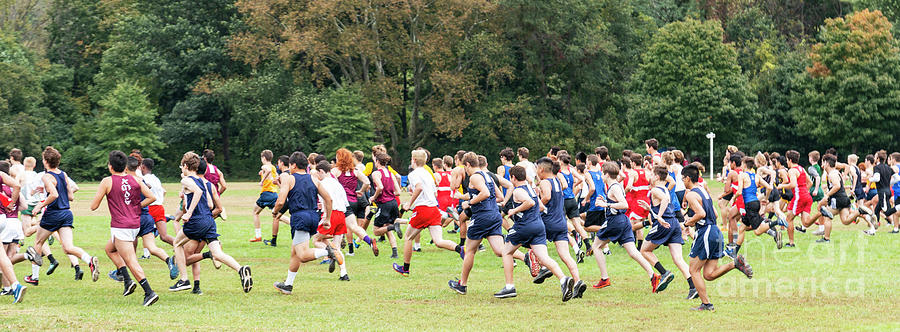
290, 278
146, 252
320, 252
259, 232
6, 289
417, 246
86, 258
343, 269
562, 281
35, 271
510, 286
821, 228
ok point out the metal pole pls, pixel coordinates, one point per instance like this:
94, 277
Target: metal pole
712, 171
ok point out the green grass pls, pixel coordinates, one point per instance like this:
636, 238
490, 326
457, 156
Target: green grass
842, 285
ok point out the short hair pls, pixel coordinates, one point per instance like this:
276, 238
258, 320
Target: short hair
870, 158
679, 156
311, 158
319, 157
133, 163
831, 150
895, 156
285, 160
323, 166
749, 163
637, 160
581, 156
545, 163
378, 149
517, 172
699, 166
29, 162
783, 160
437, 163
660, 171
761, 159
736, 158
482, 161
470, 159
460, 154
4, 166
52, 156
419, 157
190, 160
383, 159
523, 152
267, 155
299, 160
148, 163
359, 155
814, 156
668, 158
793, 156
554, 150
448, 162
15, 154
117, 160
580, 168
593, 159
625, 162
565, 159
731, 148
653, 143
831, 160
691, 172
209, 155
602, 152
201, 167
507, 153
610, 169
627, 153
852, 158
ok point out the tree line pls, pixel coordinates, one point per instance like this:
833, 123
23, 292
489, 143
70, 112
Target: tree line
240, 76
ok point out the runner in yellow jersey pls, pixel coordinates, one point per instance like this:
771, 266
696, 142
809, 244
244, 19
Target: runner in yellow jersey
268, 193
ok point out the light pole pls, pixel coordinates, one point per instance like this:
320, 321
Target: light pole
711, 136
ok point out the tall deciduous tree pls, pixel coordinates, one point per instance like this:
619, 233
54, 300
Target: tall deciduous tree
126, 121
851, 93
689, 84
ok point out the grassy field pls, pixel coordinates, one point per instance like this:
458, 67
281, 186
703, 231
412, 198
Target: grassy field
836, 286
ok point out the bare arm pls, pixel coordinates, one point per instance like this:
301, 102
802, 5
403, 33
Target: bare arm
52, 193
521, 196
546, 190
190, 187
326, 203
365, 183
283, 191
379, 187
148, 195
12, 183
222, 184
591, 190
102, 190
694, 203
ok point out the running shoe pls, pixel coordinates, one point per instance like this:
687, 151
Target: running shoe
18, 293
284, 289
823, 240
704, 307
800, 229
452, 213
825, 212
52, 268
606, 251
454, 285
374, 248
579, 257
130, 286
729, 250
654, 283
819, 232
256, 239
578, 289
602, 283
398, 229
246, 278
568, 288
740, 263
114, 275
95, 268
79, 274
399, 269
869, 232
505, 293
665, 279
197, 291
180, 285
542, 275
150, 298
33, 256
692, 294
31, 280
533, 265
779, 242
270, 243
345, 277
173, 268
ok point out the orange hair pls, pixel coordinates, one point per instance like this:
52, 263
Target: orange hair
344, 160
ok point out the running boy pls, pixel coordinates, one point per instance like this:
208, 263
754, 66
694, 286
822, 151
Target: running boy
268, 193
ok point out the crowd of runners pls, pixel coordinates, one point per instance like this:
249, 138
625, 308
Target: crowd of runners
580, 203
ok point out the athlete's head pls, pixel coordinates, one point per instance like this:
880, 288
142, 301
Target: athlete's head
344, 160
625, 162
831, 150
323, 168
201, 167
830, 160
482, 161
266, 156
448, 162
382, 159
611, 170
133, 164
881, 156
117, 161
29, 163
602, 152
852, 159
593, 160
437, 164
284, 161
15, 155
147, 166
580, 168
627, 154
749, 163
506, 155
814, 157
523, 153
896, 157
735, 159
51, 157
190, 161
699, 166
580, 158
209, 155
378, 149
545, 167
4, 166
358, 156
870, 159
652, 145
299, 161
659, 173
760, 159
419, 157
668, 158
792, 156
553, 151
470, 160
781, 161
517, 173
565, 160
679, 156
690, 175
459, 157
637, 161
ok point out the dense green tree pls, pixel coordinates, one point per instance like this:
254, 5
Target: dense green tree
126, 121
21, 95
850, 96
343, 122
689, 84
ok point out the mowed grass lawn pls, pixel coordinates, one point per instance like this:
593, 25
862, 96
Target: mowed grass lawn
846, 284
